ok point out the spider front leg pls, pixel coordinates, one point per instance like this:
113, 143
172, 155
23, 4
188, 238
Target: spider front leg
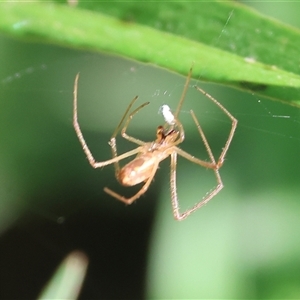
123, 132
233, 126
112, 141
174, 198
83, 143
211, 165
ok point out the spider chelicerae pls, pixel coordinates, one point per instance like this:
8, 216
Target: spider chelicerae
143, 167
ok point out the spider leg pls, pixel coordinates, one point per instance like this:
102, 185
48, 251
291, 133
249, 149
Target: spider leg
211, 165
174, 198
181, 133
139, 193
203, 137
193, 159
83, 143
112, 141
130, 117
233, 126
124, 116
186, 86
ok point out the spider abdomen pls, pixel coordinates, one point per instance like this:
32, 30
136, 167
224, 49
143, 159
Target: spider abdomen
138, 170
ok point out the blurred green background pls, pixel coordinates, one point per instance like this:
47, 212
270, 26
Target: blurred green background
243, 244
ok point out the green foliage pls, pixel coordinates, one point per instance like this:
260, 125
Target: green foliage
227, 42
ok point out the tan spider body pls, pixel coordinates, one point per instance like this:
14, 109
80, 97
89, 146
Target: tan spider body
149, 154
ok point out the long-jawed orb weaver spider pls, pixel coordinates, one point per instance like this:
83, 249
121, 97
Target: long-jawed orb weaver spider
149, 154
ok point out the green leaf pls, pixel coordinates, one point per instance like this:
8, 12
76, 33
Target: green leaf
227, 42
68, 278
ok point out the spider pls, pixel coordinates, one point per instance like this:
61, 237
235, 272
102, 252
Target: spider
143, 167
